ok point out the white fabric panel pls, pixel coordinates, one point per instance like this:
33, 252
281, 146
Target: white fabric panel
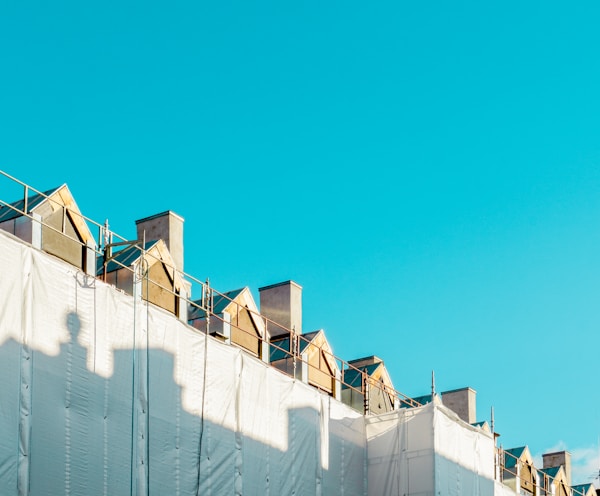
165, 415
410, 450
280, 466
14, 275
347, 452
80, 430
385, 443
218, 435
464, 456
112, 355
103, 394
14, 263
304, 427
400, 452
502, 490
254, 425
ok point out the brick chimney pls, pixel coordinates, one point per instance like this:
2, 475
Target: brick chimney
463, 402
167, 226
557, 459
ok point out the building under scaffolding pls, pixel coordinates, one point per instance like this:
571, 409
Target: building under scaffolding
116, 381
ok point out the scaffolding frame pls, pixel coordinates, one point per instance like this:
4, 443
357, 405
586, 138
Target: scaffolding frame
107, 241
104, 249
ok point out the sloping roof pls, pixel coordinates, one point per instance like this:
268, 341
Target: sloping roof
583, 488
551, 471
307, 338
47, 203
124, 258
220, 303
511, 461
359, 362
284, 344
317, 337
353, 377
7, 213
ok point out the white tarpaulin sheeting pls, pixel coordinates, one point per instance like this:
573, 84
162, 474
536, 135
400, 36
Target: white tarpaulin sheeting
102, 394
401, 452
464, 456
429, 451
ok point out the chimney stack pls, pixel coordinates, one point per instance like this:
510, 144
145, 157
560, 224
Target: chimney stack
557, 459
463, 402
282, 303
167, 226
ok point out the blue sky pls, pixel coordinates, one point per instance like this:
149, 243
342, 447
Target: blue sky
428, 172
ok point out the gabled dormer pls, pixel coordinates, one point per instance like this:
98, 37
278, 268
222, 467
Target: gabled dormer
367, 386
555, 481
234, 319
51, 221
584, 490
307, 357
519, 472
147, 271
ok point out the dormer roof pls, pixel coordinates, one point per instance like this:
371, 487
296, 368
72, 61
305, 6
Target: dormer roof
585, 489
47, 203
228, 302
308, 343
154, 251
372, 366
517, 454
7, 213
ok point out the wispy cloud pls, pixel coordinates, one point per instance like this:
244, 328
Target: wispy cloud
585, 462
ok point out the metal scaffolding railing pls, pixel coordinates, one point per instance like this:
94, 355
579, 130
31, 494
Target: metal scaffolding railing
527, 480
107, 247
109, 244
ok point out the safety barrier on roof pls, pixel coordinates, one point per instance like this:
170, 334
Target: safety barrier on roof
109, 255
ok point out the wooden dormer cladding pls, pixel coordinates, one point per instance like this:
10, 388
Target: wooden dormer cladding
527, 477
244, 329
235, 320
380, 400
62, 231
367, 386
519, 473
562, 489
544, 484
557, 481
310, 360
159, 283
321, 364
160, 287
